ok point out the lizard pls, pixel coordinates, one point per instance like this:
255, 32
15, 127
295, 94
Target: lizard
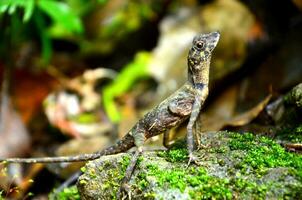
185, 103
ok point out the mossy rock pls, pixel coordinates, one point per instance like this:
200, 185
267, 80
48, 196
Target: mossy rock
233, 166
294, 97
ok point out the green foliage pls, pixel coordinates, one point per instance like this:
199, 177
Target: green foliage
19, 18
128, 19
11, 6
123, 82
70, 193
61, 13
58, 11
1, 197
85, 118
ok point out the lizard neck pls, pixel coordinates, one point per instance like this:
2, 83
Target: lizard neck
201, 76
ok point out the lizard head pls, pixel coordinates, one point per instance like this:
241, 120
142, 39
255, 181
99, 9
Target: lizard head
200, 55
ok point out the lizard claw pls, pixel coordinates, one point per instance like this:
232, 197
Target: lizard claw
202, 146
193, 159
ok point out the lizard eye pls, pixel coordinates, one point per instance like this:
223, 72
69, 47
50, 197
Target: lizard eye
199, 44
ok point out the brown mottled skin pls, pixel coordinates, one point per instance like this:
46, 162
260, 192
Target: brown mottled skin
185, 103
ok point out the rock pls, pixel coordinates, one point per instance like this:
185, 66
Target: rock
294, 97
286, 110
233, 166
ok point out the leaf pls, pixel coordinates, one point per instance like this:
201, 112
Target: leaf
28, 9
44, 37
62, 14
12, 9
102, 2
12, 5
3, 8
123, 82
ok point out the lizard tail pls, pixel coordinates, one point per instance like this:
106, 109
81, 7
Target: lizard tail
121, 146
79, 158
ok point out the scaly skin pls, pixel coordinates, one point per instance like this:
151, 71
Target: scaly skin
185, 103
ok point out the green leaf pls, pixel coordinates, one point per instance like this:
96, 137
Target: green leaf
44, 37
29, 9
3, 8
123, 82
102, 2
62, 14
12, 5
12, 9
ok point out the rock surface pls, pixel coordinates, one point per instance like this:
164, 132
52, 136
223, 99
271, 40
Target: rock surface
232, 166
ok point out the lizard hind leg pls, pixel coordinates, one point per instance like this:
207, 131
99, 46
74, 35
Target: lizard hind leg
125, 187
139, 138
166, 139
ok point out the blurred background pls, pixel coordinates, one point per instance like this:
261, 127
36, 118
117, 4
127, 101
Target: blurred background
76, 74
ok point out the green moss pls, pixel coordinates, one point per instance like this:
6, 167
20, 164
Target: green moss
294, 97
255, 155
141, 180
70, 193
83, 182
291, 134
174, 155
242, 186
298, 129
200, 185
115, 175
150, 195
140, 159
112, 181
92, 173
219, 149
213, 189
83, 169
173, 178
125, 162
262, 153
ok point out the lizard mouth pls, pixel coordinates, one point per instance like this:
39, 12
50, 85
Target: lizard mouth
212, 39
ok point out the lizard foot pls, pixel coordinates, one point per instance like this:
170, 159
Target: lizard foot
124, 192
202, 146
193, 159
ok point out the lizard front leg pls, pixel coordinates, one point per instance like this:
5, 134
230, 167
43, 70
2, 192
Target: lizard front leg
200, 97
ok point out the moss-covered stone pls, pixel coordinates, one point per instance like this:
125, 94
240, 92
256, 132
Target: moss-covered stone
292, 133
294, 97
286, 116
234, 166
